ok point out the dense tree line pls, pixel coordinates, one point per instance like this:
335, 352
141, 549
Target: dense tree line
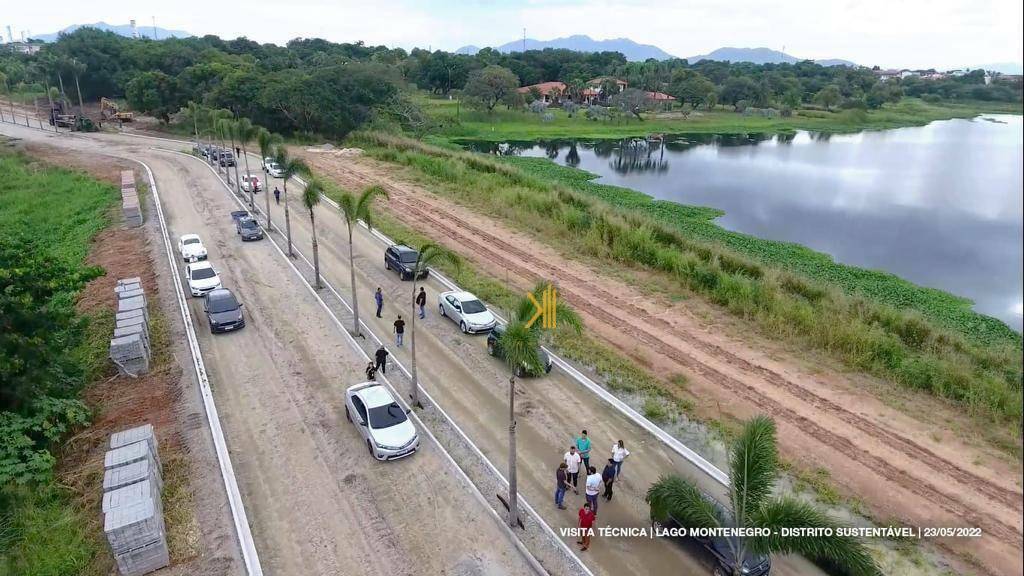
316, 86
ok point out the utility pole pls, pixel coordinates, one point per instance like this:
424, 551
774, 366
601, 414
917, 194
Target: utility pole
524, 39
154, 28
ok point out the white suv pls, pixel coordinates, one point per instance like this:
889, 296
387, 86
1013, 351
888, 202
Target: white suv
191, 248
202, 278
381, 421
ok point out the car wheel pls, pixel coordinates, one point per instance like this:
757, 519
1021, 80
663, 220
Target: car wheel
440, 308
369, 447
520, 372
490, 348
719, 571
348, 415
387, 266
463, 327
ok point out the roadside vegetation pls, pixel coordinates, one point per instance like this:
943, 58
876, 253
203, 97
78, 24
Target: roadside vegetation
918, 338
48, 353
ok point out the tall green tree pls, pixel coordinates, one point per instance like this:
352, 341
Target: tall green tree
268, 148
290, 168
353, 209
754, 469
310, 199
489, 86
828, 96
429, 254
246, 131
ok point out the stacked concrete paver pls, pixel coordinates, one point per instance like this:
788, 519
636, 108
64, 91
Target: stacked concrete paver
130, 347
130, 200
132, 510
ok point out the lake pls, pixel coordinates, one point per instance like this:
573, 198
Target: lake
940, 205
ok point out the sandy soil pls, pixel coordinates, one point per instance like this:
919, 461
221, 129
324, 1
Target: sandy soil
318, 504
889, 459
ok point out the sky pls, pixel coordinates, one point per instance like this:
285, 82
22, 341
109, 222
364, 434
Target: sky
889, 33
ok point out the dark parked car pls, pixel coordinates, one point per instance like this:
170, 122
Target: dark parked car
494, 349
239, 214
720, 552
248, 228
223, 311
226, 158
402, 259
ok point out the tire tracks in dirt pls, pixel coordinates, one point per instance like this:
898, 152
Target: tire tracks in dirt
517, 260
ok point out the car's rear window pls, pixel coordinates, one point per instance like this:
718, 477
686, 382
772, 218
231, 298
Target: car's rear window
386, 416
473, 307
203, 273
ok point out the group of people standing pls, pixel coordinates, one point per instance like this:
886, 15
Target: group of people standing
567, 476
379, 363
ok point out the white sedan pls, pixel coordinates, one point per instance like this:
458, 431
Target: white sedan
251, 183
383, 424
202, 278
274, 169
191, 248
467, 311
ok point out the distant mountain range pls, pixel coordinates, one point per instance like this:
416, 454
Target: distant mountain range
121, 29
636, 52
633, 51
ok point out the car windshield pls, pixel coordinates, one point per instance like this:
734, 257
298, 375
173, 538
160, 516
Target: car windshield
203, 273
386, 416
408, 257
473, 307
191, 241
249, 224
223, 304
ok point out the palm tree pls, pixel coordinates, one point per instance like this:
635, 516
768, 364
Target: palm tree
354, 209
754, 467
520, 345
224, 131
310, 198
233, 134
267, 143
289, 167
429, 254
194, 110
245, 131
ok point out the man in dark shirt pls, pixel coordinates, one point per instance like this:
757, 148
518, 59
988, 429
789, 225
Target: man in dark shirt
399, 330
381, 356
378, 298
421, 301
561, 485
608, 475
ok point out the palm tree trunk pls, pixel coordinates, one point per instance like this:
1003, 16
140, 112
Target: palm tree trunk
513, 492
415, 393
266, 192
352, 279
252, 187
238, 183
287, 219
316, 251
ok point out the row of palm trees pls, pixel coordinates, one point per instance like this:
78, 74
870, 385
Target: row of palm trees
754, 465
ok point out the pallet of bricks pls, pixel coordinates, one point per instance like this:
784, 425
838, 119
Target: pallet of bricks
130, 348
130, 199
133, 519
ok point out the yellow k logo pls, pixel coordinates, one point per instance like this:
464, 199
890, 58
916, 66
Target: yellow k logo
545, 309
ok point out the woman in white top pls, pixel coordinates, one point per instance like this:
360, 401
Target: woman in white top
619, 455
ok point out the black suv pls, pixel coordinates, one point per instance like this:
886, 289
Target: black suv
226, 158
720, 551
494, 349
402, 259
223, 311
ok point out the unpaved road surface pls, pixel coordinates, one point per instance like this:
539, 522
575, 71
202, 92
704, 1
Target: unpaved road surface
317, 502
890, 459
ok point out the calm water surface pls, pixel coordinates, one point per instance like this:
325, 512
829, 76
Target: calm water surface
940, 205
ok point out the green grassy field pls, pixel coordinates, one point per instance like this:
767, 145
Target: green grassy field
912, 336
51, 215
459, 122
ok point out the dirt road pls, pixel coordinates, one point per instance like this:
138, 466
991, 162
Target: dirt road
892, 460
317, 502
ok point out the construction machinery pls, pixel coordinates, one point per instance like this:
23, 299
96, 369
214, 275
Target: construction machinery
61, 118
110, 111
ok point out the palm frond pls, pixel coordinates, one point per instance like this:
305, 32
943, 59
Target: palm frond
347, 206
311, 194
520, 347
431, 253
845, 552
753, 467
365, 202
679, 498
566, 317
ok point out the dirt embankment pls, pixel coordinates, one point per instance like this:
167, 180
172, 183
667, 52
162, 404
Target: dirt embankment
905, 468
163, 397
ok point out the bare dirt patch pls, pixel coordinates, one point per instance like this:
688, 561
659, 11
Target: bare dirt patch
888, 458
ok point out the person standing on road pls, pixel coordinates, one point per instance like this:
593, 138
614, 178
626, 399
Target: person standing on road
421, 301
619, 455
587, 516
572, 462
277, 195
608, 476
593, 487
378, 297
583, 445
381, 356
399, 330
561, 485
371, 371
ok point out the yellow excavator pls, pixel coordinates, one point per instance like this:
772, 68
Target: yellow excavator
110, 111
